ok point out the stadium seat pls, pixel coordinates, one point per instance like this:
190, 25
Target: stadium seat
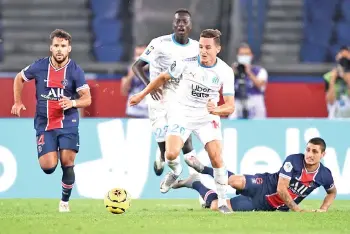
345, 10
107, 31
108, 53
318, 32
320, 10
105, 8
342, 31
313, 53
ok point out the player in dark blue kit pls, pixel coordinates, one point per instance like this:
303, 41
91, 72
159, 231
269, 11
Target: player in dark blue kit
284, 190
60, 89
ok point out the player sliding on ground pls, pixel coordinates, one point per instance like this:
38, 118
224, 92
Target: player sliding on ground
284, 190
195, 109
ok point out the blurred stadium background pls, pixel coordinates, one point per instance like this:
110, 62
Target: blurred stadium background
295, 40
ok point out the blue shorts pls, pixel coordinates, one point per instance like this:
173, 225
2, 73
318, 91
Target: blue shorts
57, 139
253, 196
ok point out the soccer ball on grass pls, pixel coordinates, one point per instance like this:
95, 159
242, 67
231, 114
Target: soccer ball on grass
117, 201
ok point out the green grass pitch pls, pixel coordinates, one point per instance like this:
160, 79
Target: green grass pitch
163, 216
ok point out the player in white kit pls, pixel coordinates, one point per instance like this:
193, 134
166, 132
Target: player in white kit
159, 55
195, 109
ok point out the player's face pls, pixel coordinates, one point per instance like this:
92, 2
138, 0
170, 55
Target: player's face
313, 154
182, 24
208, 50
60, 49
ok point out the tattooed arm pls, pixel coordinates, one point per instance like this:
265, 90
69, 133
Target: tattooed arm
282, 191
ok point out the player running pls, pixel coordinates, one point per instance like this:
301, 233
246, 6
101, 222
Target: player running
196, 109
60, 89
159, 55
284, 190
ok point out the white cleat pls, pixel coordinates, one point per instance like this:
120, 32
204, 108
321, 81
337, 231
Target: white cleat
63, 207
168, 182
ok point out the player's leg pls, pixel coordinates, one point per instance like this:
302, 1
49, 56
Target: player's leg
47, 151
210, 136
69, 146
209, 196
174, 143
188, 150
159, 129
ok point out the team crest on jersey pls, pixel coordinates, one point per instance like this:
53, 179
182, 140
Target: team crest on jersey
64, 82
288, 166
215, 80
149, 50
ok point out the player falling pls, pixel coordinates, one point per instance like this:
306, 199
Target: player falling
60, 89
299, 176
159, 55
195, 109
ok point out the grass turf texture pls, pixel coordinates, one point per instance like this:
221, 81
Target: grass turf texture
163, 216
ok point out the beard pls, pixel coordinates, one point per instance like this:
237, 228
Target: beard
59, 61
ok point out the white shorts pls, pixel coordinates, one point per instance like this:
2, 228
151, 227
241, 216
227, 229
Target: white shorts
205, 132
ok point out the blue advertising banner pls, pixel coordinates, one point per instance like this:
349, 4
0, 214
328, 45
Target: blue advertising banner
120, 153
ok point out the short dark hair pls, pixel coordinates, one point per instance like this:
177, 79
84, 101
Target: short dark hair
212, 33
244, 45
318, 141
60, 33
184, 11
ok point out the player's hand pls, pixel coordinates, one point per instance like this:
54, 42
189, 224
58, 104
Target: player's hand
156, 94
135, 99
65, 103
16, 109
211, 106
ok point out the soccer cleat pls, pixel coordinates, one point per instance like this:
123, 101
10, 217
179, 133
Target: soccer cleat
187, 183
224, 209
158, 165
194, 163
63, 207
168, 181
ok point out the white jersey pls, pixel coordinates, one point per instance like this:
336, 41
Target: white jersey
198, 85
160, 54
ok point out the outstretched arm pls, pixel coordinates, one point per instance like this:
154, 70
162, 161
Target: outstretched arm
328, 200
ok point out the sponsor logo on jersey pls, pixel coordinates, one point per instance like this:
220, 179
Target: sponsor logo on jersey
192, 59
54, 94
149, 50
199, 91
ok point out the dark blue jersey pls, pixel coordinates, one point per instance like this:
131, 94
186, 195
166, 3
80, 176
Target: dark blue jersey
51, 84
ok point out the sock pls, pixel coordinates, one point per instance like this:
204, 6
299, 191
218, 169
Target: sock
210, 171
208, 195
175, 165
161, 146
68, 179
221, 181
188, 155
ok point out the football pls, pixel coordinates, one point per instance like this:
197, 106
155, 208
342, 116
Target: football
117, 201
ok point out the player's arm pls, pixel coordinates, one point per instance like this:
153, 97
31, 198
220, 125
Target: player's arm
126, 83
84, 99
138, 69
328, 200
26, 74
228, 92
282, 191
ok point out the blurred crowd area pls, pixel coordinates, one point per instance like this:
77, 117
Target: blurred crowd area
301, 47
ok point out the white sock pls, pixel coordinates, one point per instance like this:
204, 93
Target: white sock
175, 165
188, 155
221, 181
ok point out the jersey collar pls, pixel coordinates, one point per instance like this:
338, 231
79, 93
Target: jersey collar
177, 43
202, 65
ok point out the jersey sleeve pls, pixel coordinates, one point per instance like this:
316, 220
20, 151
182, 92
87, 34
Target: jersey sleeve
176, 69
29, 72
228, 84
149, 54
80, 82
328, 180
287, 168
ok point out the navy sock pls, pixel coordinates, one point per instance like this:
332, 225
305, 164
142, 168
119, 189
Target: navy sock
68, 179
210, 171
208, 195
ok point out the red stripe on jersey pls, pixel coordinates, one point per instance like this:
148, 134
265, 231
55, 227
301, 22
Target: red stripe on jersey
55, 115
55, 77
275, 200
307, 177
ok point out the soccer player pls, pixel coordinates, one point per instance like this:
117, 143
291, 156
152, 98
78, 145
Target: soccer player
60, 89
284, 190
159, 55
196, 109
